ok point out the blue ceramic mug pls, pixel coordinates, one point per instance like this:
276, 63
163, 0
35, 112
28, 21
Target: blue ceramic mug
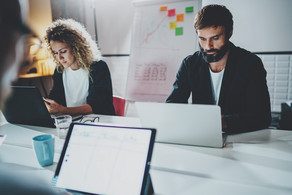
44, 147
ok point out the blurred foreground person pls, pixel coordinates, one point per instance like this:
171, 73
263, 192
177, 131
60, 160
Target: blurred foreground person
13, 33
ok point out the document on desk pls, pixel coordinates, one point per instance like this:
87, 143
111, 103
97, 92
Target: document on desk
17, 135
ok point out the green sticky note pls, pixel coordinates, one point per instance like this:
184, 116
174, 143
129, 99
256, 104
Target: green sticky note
189, 9
179, 31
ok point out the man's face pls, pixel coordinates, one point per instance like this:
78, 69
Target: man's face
213, 43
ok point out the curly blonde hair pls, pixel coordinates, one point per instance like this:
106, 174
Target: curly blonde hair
75, 35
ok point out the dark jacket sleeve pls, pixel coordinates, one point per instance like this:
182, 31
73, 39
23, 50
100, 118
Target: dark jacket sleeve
251, 110
100, 96
57, 92
181, 87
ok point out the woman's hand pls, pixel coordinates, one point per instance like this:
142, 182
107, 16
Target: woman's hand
53, 107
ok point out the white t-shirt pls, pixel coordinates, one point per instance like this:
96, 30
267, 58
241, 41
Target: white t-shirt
216, 78
76, 83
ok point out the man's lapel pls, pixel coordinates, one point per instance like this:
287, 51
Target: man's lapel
228, 77
206, 87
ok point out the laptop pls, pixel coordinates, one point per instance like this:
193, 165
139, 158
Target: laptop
99, 159
187, 124
26, 106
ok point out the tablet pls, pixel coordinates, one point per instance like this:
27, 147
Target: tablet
99, 159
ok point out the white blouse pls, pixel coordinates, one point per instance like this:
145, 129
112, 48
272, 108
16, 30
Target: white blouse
76, 84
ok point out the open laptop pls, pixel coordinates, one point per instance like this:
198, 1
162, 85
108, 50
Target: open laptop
26, 106
187, 124
99, 159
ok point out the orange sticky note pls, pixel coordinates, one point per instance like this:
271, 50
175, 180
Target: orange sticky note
171, 12
163, 8
180, 17
172, 25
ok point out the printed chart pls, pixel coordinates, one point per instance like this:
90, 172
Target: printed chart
163, 35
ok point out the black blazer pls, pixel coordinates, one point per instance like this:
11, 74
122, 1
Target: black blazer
244, 97
100, 93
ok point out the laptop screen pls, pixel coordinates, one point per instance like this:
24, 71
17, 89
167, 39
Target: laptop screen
105, 159
186, 124
26, 106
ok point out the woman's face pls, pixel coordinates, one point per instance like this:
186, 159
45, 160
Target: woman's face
63, 53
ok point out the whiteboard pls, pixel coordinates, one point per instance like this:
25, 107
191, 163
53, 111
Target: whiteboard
260, 25
161, 39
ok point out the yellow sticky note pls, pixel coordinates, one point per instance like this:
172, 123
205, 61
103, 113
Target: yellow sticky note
172, 25
180, 17
163, 8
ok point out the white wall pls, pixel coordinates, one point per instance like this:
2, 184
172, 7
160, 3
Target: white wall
114, 21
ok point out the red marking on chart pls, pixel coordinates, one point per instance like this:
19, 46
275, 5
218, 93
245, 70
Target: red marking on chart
152, 32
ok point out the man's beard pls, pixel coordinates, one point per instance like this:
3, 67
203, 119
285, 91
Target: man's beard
218, 55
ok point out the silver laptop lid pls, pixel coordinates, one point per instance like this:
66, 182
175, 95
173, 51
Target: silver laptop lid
189, 124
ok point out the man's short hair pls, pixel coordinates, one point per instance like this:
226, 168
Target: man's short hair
214, 15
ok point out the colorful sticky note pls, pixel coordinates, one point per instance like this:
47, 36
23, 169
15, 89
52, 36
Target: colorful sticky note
180, 17
189, 9
172, 25
163, 8
171, 12
179, 31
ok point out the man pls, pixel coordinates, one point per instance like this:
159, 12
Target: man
13, 33
223, 74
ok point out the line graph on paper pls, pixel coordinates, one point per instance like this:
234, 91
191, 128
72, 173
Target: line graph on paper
157, 29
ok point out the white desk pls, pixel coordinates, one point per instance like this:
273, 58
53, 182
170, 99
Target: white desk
257, 162
252, 163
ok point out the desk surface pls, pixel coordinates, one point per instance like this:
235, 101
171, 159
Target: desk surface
257, 162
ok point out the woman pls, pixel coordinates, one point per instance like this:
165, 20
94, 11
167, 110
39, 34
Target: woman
82, 81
